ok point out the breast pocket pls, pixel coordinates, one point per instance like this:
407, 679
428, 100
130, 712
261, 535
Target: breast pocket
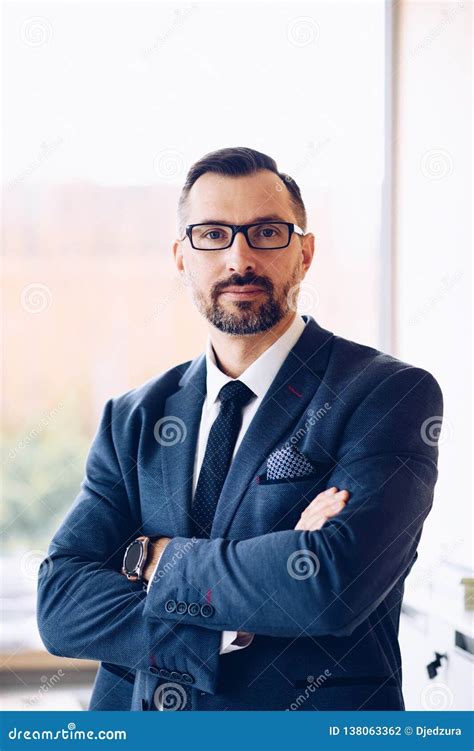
275, 505
321, 470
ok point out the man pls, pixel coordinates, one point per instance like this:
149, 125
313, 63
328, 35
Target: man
248, 518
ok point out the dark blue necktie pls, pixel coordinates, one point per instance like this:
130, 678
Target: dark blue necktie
218, 455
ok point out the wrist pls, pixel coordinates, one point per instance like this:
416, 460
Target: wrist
155, 551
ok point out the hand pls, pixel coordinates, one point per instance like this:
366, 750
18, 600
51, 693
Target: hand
155, 551
326, 504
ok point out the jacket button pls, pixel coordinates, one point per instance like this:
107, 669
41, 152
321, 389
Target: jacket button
154, 669
181, 608
175, 676
170, 606
193, 608
164, 673
187, 678
207, 610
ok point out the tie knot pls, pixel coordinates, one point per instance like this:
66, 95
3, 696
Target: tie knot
235, 392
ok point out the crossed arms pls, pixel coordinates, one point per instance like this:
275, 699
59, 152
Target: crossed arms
87, 609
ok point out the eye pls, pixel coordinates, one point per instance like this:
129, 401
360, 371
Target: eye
213, 232
268, 230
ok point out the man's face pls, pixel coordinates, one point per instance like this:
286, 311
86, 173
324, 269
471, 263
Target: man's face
277, 273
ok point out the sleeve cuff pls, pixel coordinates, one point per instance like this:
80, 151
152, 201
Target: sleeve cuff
151, 578
227, 637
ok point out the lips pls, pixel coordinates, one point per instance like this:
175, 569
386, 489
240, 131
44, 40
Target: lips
243, 290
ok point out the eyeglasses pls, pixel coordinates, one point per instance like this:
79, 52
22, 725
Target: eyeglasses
260, 236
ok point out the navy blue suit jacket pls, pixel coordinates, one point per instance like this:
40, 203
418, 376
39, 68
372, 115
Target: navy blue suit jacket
324, 606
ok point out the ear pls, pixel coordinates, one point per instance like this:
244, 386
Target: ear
308, 249
178, 255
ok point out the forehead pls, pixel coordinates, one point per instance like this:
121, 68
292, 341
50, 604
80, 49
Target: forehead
239, 200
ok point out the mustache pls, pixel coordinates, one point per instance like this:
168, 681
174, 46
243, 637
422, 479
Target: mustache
242, 281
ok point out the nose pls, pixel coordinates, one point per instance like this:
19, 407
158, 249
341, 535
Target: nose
241, 257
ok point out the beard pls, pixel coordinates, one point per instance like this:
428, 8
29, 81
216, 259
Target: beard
244, 317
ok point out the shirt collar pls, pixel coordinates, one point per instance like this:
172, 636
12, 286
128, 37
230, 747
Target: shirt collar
259, 374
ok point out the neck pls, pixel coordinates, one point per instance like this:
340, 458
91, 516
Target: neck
234, 354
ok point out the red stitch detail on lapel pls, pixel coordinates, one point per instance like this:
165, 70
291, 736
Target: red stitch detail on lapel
293, 391
208, 595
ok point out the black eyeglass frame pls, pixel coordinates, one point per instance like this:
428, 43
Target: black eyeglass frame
244, 228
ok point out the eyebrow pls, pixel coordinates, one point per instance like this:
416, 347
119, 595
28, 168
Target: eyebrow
269, 218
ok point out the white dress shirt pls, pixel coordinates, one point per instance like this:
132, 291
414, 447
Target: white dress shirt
258, 377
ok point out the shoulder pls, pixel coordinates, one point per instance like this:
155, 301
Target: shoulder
152, 392
362, 371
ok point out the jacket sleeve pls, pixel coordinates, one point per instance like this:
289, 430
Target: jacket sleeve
227, 637
87, 609
326, 582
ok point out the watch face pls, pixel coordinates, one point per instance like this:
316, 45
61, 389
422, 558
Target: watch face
133, 555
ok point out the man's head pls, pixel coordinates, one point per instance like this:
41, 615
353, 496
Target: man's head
240, 186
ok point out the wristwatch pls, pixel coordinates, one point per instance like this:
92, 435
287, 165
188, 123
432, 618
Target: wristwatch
134, 559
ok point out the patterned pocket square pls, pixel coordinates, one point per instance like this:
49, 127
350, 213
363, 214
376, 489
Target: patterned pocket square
288, 462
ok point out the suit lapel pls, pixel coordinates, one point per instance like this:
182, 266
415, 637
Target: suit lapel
184, 407
285, 401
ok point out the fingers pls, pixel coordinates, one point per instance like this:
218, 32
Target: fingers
326, 504
328, 500
316, 520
